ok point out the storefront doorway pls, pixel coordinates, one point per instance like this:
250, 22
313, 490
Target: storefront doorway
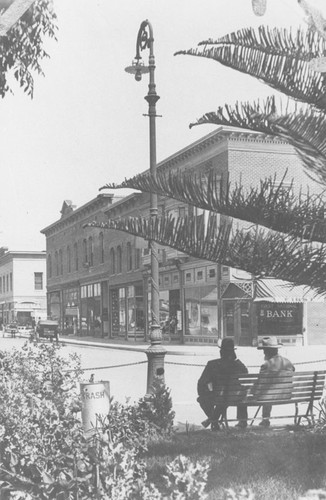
237, 321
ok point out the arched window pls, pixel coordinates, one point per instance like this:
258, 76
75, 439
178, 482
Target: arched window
69, 259
137, 258
101, 241
60, 262
76, 256
119, 259
85, 259
129, 257
90, 251
56, 260
112, 261
49, 266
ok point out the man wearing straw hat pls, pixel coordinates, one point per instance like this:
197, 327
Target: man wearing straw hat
274, 363
213, 377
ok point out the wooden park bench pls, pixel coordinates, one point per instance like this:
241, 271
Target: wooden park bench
301, 389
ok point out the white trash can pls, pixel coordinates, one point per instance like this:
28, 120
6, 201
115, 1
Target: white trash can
95, 397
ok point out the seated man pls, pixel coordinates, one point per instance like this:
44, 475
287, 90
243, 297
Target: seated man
215, 376
274, 363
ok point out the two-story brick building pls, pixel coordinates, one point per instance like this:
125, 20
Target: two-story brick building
98, 280
22, 286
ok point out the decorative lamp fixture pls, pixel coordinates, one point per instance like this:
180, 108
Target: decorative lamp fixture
138, 69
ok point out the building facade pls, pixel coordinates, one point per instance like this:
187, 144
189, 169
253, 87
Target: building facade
22, 286
99, 280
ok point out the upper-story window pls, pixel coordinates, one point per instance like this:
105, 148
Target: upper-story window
10, 281
76, 256
38, 281
119, 259
69, 259
90, 251
101, 242
137, 258
56, 258
112, 261
129, 257
85, 258
60, 262
50, 266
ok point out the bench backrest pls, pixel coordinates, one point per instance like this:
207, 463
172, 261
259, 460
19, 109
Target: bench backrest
274, 388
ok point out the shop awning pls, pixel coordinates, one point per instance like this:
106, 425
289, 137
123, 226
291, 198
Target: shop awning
273, 290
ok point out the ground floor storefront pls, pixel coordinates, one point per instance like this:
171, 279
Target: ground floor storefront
190, 312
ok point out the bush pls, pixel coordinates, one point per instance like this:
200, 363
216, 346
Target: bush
156, 408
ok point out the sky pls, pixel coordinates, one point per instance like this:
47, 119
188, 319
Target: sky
85, 125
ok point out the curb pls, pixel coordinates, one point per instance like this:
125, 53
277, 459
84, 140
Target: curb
123, 347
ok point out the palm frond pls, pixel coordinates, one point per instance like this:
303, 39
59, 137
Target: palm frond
304, 129
304, 44
264, 255
284, 70
271, 204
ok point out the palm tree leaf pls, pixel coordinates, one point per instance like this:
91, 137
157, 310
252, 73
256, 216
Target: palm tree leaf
305, 128
271, 57
305, 44
271, 204
264, 255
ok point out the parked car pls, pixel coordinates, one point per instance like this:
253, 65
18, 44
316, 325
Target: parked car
12, 329
25, 330
47, 329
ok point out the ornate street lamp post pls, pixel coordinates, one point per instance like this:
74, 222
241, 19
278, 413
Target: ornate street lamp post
156, 352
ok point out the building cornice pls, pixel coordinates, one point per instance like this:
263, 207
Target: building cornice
102, 200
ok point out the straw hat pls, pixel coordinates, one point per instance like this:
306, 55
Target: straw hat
269, 342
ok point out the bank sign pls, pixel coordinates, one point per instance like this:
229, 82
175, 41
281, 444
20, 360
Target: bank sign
279, 319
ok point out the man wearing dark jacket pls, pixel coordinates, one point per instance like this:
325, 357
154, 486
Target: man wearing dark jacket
213, 380
274, 363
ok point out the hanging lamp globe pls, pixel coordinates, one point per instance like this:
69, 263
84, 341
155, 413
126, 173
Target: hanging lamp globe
138, 69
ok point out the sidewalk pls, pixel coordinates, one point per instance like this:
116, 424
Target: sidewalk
127, 345
304, 357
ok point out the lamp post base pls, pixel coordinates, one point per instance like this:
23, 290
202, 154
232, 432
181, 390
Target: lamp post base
155, 368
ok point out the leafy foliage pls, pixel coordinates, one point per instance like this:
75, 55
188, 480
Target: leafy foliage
187, 479
22, 50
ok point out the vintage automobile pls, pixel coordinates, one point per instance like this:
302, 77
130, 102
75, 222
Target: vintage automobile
25, 330
12, 329
47, 329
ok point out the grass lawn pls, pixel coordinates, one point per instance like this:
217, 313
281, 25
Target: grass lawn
274, 464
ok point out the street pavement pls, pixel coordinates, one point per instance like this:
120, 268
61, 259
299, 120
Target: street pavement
124, 365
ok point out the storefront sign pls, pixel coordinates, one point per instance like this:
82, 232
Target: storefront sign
279, 319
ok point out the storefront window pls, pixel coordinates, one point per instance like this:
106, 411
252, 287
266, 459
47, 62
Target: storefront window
71, 310
128, 309
122, 310
201, 310
54, 306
